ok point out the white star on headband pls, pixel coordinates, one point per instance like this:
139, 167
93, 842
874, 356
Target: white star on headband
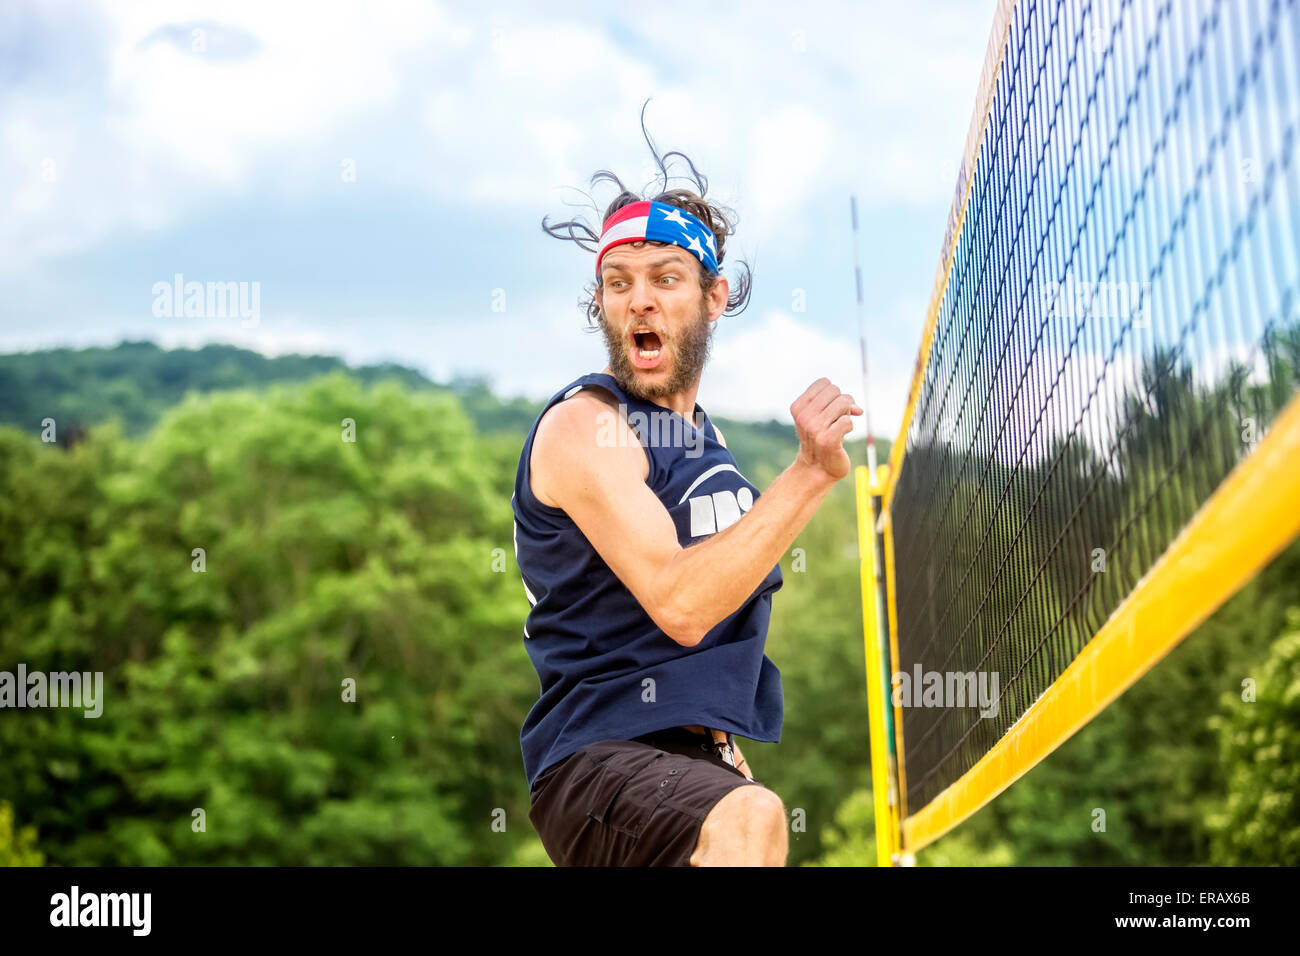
694, 246
676, 216
708, 241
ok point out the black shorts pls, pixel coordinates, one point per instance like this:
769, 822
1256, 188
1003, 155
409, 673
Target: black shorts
638, 802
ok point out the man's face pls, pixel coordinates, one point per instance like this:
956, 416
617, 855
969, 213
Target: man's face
652, 303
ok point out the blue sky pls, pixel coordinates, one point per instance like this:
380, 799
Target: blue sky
381, 171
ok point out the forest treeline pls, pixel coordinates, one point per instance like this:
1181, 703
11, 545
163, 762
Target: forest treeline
298, 582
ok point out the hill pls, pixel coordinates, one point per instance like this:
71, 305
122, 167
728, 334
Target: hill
136, 382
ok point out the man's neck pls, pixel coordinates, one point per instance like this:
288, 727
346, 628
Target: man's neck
683, 402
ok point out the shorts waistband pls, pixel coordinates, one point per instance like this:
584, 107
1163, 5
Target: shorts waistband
682, 735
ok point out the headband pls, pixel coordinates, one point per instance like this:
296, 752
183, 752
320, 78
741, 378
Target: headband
657, 222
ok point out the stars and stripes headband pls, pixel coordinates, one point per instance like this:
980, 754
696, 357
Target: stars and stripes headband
657, 222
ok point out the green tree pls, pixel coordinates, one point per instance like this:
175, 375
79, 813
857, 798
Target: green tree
850, 840
17, 846
386, 561
1259, 743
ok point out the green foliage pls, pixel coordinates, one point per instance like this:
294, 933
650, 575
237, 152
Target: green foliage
1151, 759
815, 640
17, 846
1260, 746
850, 840
326, 560
390, 561
136, 382
530, 853
490, 413
960, 848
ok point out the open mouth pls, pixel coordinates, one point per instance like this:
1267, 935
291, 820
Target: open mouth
647, 348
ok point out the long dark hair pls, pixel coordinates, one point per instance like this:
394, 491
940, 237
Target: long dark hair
718, 218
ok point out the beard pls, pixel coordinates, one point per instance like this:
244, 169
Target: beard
689, 353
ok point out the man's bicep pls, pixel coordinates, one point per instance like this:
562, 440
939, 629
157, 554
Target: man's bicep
601, 487
628, 526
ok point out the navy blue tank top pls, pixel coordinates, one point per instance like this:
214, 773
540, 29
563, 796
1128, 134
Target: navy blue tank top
607, 671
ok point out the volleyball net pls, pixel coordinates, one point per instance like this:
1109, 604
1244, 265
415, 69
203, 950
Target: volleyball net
1101, 441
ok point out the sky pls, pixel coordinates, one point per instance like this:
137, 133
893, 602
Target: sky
373, 177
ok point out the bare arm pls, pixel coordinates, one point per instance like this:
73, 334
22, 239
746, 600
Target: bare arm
686, 591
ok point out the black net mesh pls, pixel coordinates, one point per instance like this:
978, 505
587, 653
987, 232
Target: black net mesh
1118, 329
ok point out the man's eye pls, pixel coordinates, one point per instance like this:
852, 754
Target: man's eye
669, 278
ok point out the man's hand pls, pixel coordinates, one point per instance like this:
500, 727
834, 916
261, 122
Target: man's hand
822, 417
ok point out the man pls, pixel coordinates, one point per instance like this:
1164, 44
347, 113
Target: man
650, 562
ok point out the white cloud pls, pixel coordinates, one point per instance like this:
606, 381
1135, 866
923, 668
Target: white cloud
289, 335
757, 372
790, 148
308, 74
453, 109
170, 129
504, 109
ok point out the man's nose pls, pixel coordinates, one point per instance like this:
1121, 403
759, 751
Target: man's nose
643, 295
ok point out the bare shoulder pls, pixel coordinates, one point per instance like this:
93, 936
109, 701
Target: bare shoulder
578, 435
718, 431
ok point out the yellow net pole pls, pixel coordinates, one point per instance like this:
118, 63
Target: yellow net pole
882, 779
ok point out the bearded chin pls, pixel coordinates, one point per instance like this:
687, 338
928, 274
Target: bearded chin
689, 354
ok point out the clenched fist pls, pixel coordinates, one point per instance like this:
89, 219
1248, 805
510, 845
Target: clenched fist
822, 417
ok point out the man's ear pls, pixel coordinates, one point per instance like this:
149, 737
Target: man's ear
718, 296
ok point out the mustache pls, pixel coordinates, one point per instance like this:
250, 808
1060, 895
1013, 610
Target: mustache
662, 333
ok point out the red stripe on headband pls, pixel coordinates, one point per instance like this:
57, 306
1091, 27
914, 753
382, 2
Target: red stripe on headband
622, 228
630, 211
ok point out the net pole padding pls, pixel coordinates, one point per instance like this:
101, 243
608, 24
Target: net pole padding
1245, 523
882, 781
974, 136
887, 658
899, 766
